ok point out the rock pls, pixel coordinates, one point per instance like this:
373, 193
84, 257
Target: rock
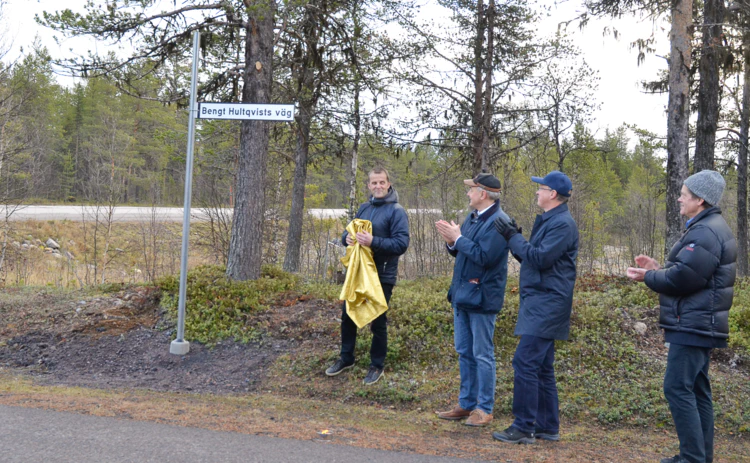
57, 255
16, 244
69, 255
25, 247
640, 328
52, 244
56, 251
38, 242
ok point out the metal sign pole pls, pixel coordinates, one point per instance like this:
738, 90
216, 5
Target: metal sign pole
179, 346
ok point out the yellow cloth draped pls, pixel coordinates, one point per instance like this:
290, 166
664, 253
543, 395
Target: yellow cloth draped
362, 291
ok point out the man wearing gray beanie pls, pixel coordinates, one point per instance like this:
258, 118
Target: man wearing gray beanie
695, 294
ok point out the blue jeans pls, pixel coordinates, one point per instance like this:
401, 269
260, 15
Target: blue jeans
473, 334
688, 391
535, 403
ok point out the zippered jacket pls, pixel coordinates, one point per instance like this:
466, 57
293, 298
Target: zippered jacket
696, 285
481, 268
390, 233
548, 274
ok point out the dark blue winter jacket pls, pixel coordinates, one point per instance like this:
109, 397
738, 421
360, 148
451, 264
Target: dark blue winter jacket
390, 233
548, 274
696, 285
481, 268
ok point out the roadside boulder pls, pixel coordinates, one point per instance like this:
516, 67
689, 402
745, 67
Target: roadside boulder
640, 328
52, 244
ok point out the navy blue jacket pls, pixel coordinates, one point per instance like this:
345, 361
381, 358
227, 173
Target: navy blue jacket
696, 285
548, 274
481, 268
390, 233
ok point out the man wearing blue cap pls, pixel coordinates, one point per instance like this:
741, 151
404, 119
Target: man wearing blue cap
548, 274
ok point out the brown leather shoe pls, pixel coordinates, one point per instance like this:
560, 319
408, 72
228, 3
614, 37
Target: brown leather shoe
457, 413
478, 418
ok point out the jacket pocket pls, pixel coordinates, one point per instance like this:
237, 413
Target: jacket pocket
469, 296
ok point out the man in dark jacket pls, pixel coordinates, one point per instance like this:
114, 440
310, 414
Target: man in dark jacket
548, 275
476, 294
389, 239
695, 287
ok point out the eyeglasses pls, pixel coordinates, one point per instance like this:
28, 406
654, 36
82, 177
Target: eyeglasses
545, 189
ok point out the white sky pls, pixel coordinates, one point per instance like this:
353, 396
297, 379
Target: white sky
619, 94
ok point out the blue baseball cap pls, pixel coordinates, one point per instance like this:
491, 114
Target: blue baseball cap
557, 181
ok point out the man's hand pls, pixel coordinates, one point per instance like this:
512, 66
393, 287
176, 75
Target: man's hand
507, 228
636, 274
449, 231
349, 240
364, 238
647, 262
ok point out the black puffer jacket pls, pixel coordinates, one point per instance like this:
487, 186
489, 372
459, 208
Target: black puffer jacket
696, 284
390, 233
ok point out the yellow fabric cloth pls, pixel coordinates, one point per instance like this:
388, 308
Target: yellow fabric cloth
362, 291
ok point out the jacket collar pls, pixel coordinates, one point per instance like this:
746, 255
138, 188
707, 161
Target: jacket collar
557, 210
486, 214
703, 214
391, 197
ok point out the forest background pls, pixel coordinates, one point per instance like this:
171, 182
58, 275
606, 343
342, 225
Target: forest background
374, 83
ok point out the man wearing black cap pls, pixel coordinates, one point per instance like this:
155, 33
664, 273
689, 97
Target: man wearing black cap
548, 274
696, 288
476, 294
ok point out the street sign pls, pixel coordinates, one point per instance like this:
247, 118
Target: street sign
245, 111
241, 111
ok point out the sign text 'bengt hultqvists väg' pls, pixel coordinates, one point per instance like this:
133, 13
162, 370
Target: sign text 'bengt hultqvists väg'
243, 111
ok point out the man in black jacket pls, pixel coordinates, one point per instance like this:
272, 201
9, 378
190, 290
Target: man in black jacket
695, 294
389, 239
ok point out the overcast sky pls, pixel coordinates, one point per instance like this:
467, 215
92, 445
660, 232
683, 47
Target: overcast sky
619, 94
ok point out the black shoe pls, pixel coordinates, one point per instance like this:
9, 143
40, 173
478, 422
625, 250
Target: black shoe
514, 436
674, 459
338, 367
373, 375
546, 435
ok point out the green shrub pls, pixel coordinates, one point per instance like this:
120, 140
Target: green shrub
739, 316
218, 308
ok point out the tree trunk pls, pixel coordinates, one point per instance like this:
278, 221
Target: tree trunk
246, 244
677, 113
708, 93
356, 37
296, 216
742, 258
355, 152
487, 116
477, 121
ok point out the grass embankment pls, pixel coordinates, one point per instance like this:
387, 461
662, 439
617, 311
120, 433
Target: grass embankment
607, 374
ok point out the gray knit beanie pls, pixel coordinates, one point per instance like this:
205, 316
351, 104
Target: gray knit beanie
707, 185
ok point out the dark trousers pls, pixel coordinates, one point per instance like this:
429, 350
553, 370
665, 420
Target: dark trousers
535, 403
379, 328
688, 391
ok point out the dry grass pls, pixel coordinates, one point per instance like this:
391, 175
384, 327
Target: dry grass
134, 253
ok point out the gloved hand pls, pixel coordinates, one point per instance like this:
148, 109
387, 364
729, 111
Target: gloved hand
506, 228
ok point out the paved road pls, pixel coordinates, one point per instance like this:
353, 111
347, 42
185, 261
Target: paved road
139, 214
29, 435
